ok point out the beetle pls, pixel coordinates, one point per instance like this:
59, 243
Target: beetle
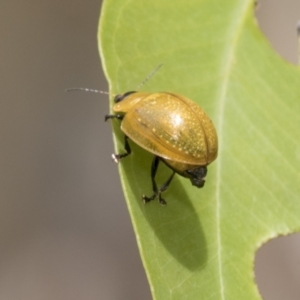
171, 127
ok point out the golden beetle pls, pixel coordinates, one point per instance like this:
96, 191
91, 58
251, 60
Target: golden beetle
172, 127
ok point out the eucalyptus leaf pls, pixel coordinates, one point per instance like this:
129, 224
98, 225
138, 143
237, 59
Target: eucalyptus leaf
202, 244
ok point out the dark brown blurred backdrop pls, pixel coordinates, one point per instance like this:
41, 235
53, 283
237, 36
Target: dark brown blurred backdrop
65, 232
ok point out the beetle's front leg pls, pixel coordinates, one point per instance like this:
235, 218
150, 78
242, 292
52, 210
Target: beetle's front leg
117, 157
119, 117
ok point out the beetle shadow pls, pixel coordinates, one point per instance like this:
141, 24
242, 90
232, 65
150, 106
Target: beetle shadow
177, 224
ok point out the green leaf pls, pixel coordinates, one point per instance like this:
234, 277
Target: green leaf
202, 244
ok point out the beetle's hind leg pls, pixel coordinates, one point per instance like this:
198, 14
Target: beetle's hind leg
157, 192
154, 167
117, 157
163, 188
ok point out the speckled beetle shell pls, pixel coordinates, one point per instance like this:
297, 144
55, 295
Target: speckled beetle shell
170, 126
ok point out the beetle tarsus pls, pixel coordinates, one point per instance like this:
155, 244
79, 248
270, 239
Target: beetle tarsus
160, 199
116, 158
148, 199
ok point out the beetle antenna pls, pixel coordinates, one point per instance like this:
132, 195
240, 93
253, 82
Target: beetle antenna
86, 90
149, 76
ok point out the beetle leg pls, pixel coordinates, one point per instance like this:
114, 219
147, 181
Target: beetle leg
154, 167
167, 183
117, 157
157, 192
119, 117
163, 188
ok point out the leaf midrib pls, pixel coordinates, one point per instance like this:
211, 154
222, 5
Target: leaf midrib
234, 33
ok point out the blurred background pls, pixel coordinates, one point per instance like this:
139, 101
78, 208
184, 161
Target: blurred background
65, 231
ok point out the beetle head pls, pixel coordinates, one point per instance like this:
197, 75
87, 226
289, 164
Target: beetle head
197, 176
121, 97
